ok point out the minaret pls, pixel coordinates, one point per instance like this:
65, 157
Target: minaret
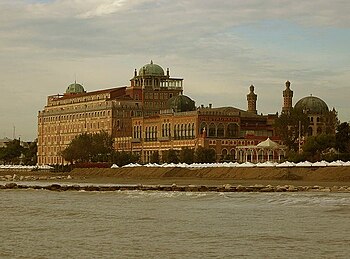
287, 99
251, 98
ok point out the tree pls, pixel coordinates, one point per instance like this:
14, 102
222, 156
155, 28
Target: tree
124, 158
317, 147
342, 138
288, 125
187, 155
12, 152
89, 148
30, 153
170, 156
331, 121
205, 155
102, 144
155, 157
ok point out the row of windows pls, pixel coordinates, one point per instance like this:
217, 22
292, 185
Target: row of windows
219, 130
83, 99
156, 96
77, 116
50, 160
75, 126
155, 104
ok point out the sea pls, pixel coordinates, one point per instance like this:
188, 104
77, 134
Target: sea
151, 224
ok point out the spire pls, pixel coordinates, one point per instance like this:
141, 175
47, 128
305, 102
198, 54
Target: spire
287, 98
251, 98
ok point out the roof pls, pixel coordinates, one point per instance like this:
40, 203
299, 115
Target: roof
268, 143
75, 89
151, 70
311, 105
181, 103
110, 90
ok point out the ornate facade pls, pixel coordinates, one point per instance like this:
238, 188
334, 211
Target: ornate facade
316, 109
76, 111
152, 114
224, 129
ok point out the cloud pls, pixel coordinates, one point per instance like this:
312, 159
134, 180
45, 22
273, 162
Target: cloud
220, 48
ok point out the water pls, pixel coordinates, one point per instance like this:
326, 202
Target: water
44, 224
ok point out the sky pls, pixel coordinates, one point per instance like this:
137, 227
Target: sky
220, 48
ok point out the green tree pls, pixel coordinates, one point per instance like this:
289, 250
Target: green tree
288, 125
330, 119
170, 156
155, 157
342, 138
12, 152
205, 155
187, 155
89, 148
30, 153
102, 144
318, 147
124, 158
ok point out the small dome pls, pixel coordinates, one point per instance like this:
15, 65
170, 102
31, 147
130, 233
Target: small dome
151, 70
312, 105
181, 103
75, 89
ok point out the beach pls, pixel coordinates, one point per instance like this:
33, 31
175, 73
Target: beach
322, 176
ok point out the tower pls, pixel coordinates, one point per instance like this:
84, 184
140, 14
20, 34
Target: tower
287, 99
251, 98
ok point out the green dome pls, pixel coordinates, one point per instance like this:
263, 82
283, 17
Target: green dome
151, 70
75, 89
312, 105
181, 103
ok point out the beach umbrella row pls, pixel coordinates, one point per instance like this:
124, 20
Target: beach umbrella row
26, 167
243, 165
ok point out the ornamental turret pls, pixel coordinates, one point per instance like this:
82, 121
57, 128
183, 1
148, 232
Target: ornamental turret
251, 98
287, 99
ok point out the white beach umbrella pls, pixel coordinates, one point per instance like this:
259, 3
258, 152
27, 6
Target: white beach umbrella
246, 164
320, 164
304, 164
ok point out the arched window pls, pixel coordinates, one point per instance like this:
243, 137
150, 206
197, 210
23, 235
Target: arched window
220, 133
212, 130
233, 154
224, 153
202, 127
232, 130
319, 130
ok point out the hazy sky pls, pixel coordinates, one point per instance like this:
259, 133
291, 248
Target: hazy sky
220, 48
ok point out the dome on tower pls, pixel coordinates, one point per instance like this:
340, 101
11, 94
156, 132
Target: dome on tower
151, 70
181, 103
312, 105
75, 89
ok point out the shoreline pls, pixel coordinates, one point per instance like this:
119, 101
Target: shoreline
327, 179
174, 188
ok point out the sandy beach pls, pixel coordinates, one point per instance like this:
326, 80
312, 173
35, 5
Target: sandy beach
323, 176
